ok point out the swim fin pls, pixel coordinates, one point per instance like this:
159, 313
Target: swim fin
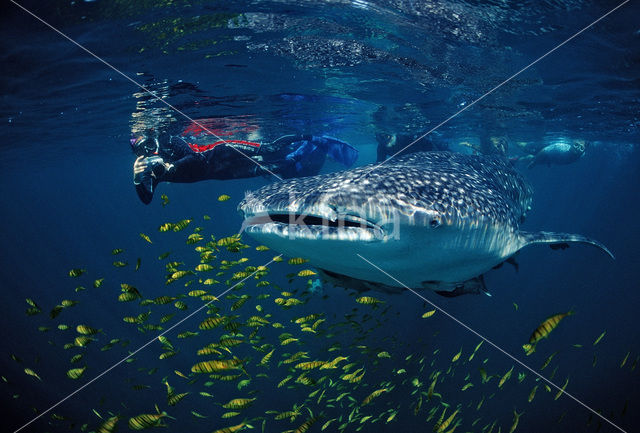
338, 150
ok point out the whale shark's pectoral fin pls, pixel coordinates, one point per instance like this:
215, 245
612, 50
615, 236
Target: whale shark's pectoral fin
560, 240
355, 283
511, 261
451, 290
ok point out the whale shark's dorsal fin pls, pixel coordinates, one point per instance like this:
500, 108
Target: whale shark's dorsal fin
559, 240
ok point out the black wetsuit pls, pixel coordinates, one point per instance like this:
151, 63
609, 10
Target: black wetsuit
288, 156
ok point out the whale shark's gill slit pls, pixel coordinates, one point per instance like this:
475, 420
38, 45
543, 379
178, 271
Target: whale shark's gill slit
311, 220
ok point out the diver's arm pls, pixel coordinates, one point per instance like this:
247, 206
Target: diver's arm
144, 195
139, 165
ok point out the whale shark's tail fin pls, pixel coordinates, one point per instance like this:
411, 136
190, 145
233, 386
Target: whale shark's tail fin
560, 240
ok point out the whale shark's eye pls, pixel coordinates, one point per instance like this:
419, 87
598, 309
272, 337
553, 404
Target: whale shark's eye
434, 222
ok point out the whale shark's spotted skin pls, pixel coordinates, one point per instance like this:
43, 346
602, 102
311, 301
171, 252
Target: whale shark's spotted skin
452, 184
437, 219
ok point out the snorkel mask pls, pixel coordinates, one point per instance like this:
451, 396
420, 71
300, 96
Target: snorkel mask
142, 145
579, 146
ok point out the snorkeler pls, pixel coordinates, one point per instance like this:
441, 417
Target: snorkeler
561, 152
186, 158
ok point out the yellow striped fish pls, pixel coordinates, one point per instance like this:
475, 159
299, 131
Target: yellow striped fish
547, 326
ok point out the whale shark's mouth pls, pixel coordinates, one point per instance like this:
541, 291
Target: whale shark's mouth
304, 226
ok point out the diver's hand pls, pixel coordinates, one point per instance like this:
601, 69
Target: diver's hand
139, 166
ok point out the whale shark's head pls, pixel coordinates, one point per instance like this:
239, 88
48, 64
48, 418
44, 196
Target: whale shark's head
331, 208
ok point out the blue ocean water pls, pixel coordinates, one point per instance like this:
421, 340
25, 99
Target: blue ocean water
348, 69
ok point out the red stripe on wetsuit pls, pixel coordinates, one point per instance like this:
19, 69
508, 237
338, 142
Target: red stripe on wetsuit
203, 148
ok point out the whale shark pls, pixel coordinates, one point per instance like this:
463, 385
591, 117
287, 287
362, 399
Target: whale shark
430, 220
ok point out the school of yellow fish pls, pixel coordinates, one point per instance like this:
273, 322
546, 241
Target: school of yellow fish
261, 346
